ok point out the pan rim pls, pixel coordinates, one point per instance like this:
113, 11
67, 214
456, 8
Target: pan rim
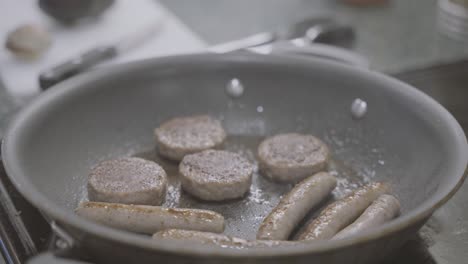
62, 215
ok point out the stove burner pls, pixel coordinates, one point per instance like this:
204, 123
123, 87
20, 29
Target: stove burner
23, 230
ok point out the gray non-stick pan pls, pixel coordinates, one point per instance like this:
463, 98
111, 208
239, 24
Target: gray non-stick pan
405, 138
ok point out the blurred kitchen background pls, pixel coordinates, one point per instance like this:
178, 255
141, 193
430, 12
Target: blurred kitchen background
423, 42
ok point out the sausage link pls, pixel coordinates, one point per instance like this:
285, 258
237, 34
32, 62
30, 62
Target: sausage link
382, 210
217, 239
150, 219
292, 208
342, 212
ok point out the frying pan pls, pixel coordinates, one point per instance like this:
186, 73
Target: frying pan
405, 138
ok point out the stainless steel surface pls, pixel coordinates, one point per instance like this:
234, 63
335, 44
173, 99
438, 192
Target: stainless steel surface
250, 41
106, 107
394, 37
358, 108
302, 33
301, 49
235, 88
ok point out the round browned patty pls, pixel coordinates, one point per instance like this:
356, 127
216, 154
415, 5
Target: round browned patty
128, 181
292, 157
216, 175
180, 136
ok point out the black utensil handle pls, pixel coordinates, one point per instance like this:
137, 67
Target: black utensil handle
74, 66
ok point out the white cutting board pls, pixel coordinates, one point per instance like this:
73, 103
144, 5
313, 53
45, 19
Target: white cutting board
123, 18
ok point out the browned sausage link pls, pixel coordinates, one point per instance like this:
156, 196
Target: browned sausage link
342, 212
382, 210
292, 208
217, 239
150, 219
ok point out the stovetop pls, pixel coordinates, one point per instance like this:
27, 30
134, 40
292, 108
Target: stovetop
24, 232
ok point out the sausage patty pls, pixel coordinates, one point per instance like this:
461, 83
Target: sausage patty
150, 219
215, 175
128, 181
292, 157
292, 208
180, 136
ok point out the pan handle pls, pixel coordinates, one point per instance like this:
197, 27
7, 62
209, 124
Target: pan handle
64, 250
